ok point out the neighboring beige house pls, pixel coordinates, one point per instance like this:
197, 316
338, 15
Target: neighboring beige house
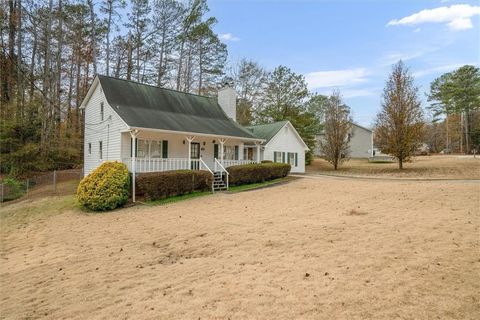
360, 142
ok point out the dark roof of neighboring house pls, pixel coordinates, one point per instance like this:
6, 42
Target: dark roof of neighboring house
146, 106
267, 131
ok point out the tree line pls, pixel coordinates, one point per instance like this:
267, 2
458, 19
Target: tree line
52, 50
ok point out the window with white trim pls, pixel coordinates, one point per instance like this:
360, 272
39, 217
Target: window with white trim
156, 149
229, 152
152, 148
291, 158
142, 148
277, 156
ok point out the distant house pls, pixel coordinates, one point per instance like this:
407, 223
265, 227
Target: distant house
360, 142
155, 129
282, 143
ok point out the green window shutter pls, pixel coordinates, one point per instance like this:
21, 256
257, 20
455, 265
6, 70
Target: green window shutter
131, 145
296, 159
283, 157
236, 152
274, 156
215, 151
164, 149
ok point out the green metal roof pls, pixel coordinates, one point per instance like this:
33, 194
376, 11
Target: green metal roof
266, 131
145, 106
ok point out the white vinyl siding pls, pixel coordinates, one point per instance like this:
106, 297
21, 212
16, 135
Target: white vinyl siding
284, 143
108, 131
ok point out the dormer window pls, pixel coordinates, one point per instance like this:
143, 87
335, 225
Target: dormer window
101, 111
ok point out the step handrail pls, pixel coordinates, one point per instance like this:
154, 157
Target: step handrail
222, 169
209, 170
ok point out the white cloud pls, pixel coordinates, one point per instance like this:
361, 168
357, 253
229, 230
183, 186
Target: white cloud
460, 24
440, 69
351, 93
393, 56
336, 78
228, 37
457, 17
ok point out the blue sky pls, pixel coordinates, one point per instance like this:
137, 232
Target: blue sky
351, 45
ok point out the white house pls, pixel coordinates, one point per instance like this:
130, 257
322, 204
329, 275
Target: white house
360, 142
282, 143
155, 129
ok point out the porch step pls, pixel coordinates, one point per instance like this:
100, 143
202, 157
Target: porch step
218, 183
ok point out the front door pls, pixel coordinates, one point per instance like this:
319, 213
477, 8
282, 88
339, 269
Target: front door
250, 154
195, 155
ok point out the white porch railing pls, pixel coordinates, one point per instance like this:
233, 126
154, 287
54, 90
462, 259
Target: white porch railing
168, 164
160, 164
229, 163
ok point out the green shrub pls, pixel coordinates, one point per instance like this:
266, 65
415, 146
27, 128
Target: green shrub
266, 161
159, 185
257, 172
106, 188
12, 189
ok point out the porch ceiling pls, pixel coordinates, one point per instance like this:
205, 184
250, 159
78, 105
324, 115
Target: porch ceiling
196, 134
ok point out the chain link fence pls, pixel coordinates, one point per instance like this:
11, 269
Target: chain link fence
57, 182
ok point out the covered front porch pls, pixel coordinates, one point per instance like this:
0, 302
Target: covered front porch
154, 150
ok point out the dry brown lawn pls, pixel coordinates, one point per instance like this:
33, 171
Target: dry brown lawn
435, 166
314, 248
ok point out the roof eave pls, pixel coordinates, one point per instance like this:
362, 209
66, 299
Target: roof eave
90, 92
195, 134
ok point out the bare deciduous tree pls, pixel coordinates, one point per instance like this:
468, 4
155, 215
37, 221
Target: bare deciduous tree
337, 131
399, 125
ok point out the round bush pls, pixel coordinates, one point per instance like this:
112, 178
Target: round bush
106, 188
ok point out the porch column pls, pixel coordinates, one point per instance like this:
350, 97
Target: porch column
258, 151
189, 139
222, 142
134, 134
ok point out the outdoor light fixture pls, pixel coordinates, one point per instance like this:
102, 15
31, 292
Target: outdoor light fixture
204, 143
183, 141
213, 141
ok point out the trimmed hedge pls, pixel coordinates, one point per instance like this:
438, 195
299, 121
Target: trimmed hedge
257, 172
159, 185
106, 188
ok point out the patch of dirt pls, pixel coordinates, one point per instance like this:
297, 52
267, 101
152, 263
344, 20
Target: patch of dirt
295, 251
355, 212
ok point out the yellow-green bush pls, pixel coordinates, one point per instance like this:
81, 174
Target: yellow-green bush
106, 188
